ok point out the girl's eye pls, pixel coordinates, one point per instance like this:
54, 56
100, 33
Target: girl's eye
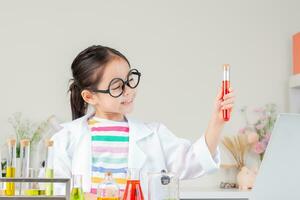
116, 87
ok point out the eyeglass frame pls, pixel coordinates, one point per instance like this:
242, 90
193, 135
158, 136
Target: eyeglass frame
107, 91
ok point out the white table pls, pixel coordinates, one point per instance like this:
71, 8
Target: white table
213, 194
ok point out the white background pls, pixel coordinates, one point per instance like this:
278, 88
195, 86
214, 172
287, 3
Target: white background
179, 46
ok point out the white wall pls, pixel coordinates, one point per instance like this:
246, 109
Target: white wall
179, 46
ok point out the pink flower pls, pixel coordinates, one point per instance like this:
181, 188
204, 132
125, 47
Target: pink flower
242, 130
268, 136
252, 137
259, 147
266, 139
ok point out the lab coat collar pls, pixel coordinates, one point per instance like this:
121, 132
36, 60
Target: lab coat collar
138, 130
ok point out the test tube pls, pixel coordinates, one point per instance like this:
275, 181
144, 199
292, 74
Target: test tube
11, 167
49, 166
2, 189
225, 89
25, 159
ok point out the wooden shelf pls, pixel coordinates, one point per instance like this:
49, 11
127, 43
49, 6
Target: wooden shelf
294, 93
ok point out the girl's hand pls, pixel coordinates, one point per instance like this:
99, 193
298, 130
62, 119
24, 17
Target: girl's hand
215, 126
90, 196
221, 104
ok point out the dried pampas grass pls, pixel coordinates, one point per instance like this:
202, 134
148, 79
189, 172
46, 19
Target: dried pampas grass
238, 147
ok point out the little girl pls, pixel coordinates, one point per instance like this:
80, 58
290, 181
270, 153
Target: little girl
106, 140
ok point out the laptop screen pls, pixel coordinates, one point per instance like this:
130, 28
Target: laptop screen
279, 174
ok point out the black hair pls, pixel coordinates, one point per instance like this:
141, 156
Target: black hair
87, 70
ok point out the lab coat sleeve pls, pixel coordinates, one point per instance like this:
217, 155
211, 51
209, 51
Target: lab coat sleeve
188, 160
62, 161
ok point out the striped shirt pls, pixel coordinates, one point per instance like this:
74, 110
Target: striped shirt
109, 150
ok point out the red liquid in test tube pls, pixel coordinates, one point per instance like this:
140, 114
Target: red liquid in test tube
225, 89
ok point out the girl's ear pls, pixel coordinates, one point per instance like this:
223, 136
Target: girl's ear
88, 97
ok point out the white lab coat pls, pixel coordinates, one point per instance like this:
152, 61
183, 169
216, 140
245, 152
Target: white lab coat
152, 147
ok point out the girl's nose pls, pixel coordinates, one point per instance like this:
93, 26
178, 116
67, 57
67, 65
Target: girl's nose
127, 90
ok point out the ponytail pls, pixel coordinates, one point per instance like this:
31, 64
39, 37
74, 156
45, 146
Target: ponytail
78, 105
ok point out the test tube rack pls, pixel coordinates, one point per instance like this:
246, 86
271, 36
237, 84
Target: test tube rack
66, 181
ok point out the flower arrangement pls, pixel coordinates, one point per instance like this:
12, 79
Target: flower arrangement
259, 132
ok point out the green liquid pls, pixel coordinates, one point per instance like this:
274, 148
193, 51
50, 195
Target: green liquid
77, 194
34, 192
49, 186
10, 187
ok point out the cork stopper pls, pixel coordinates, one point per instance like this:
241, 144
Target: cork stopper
11, 142
49, 143
25, 142
226, 66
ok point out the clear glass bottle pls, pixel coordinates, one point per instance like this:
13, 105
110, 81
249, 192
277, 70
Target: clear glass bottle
77, 192
163, 185
49, 172
11, 167
108, 189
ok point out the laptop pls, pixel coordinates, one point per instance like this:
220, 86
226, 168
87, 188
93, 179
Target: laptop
279, 174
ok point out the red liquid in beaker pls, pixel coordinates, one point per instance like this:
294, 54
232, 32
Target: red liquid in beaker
133, 190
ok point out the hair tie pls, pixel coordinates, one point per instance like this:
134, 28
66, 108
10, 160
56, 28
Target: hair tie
75, 84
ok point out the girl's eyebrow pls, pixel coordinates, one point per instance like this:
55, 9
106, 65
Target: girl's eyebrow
121, 77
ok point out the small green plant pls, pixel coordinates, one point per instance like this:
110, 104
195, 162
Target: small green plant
25, 129
3, 167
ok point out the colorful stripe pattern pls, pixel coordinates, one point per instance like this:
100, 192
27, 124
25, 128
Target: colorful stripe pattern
109, 150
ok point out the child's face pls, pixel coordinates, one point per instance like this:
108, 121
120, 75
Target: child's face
104, 103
